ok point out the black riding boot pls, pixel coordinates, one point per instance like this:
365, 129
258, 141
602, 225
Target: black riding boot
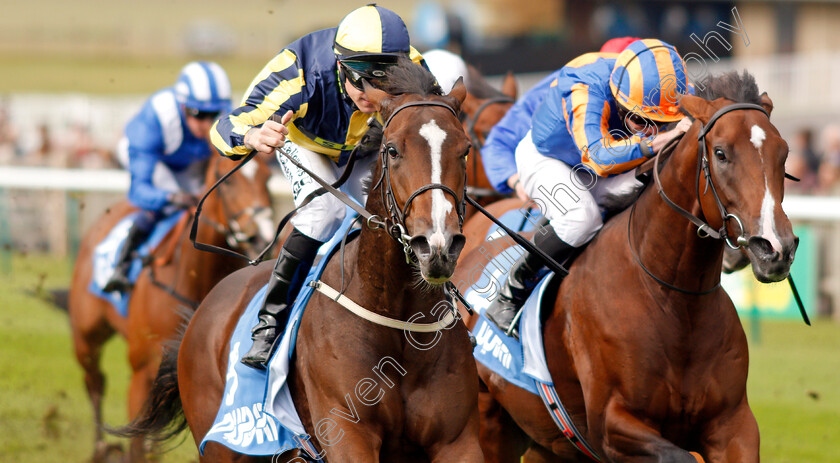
119, 280
286, 279
522, 278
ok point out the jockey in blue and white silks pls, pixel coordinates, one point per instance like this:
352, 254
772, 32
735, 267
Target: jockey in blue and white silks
312, 94
602, 116
165, 149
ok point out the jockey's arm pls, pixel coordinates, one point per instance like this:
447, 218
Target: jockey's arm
277, 89
142, 191
605, 153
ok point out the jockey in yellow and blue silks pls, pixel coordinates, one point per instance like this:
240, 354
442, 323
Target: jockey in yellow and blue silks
165, 149
314, 90
603, 115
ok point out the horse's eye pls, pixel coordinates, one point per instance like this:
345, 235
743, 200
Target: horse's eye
720, 154
393, 152
467, 152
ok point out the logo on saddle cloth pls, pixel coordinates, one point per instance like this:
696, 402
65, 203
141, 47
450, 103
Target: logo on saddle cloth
518, 362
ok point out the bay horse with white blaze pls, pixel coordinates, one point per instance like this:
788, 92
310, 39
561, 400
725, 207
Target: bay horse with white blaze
645, 348
397, 270
237, 216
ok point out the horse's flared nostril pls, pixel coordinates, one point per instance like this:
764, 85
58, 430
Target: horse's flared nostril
456, 246
420, 245
762, 249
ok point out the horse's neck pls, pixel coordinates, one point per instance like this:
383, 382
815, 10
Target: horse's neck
384, 275
666, 242
210, 267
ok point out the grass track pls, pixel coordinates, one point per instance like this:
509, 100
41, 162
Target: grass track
794, 384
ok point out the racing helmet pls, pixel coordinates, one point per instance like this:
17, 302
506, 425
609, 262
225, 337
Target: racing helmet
369, 40
203, 86
648, 79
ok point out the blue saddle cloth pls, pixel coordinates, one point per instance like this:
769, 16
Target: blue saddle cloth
520, 363
243, 423
520, 220
106, 252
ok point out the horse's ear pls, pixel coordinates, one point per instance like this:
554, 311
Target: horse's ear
697, 107
458, 92
766, 103
509, 85
375, 95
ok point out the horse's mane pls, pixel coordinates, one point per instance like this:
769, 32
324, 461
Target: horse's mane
740, 88
478, 86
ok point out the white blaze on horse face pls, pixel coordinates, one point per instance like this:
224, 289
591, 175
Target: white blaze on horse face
757, 137
767, 226
249, 170
435, 136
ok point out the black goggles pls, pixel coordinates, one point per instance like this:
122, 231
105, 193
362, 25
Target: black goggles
199, 114
374, 72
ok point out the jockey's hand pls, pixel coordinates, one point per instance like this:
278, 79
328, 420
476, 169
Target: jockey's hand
516, 185
183, 200
662, 138
271, 135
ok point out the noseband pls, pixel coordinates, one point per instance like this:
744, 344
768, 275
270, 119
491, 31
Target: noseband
705, 230
395, 224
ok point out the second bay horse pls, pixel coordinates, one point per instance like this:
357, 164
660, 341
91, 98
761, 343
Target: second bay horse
645, 348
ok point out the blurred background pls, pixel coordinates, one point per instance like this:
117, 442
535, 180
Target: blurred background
73, 73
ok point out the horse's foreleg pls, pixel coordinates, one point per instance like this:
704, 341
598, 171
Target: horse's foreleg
733, 438
628, 439
465, 447
501, 439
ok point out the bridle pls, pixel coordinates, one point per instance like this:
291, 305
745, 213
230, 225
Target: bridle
395, 223
478, 144
704, 230
231, 229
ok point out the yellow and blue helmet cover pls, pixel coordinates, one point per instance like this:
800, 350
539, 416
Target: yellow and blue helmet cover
370, 32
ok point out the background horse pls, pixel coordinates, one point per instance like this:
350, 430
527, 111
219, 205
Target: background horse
483, 108
237, 215
428, 411
645, 349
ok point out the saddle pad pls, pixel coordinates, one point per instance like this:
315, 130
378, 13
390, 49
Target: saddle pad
106, 252
520, 363
257, 415
519, 220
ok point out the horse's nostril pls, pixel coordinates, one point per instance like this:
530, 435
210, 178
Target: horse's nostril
762, 248
456, 246
420, 245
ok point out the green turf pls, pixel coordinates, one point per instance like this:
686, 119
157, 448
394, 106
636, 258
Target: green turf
44, 409
794, 383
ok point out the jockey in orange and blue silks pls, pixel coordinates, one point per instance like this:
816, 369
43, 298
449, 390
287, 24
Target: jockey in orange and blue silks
165, 149
497, 154
602, 116
314, 89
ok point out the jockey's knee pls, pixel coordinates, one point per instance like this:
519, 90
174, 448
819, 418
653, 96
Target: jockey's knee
579, 224
321, 218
